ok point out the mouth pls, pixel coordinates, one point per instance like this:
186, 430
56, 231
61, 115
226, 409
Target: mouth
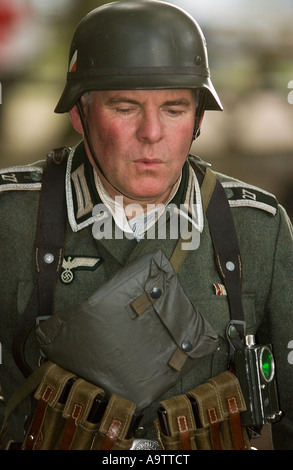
148, 163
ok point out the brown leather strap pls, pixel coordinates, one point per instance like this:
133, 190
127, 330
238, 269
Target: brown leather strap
34, 434
235, 422
49, 248
184, 433
214, 428
71, 427
179, 420
112, 434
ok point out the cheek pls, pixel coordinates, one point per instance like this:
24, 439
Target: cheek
105, 141
116, 149
179, 144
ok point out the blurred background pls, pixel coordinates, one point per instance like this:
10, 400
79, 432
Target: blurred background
250, 44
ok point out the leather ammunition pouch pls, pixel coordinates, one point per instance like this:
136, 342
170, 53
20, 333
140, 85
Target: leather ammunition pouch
206, 418
73, 414
144, 333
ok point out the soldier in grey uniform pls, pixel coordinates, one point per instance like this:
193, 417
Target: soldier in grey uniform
137, 87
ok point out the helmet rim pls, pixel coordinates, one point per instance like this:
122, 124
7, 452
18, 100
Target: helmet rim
73, 91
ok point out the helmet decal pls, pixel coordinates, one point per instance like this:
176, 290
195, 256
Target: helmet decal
72, 64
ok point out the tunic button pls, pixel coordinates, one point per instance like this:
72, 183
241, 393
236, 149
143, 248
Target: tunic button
48, 258
230, 266
155, 293
229, 193
186, 345
36, 176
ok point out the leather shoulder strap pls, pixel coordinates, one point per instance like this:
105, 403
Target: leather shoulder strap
49, 251
228, 260
225, 244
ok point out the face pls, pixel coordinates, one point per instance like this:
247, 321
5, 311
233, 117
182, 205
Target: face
141, 139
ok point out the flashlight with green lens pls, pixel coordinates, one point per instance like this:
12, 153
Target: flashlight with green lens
255, 370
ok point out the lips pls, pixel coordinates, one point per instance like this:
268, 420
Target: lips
148, 161
148, 164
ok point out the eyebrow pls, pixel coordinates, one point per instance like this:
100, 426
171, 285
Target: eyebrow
178, 102
121, 99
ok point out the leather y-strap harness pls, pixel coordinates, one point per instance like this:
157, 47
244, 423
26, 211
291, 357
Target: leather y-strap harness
228, 261
226, 249
49, 252
51, 236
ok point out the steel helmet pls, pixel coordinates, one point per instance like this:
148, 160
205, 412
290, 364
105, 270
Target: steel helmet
141, 44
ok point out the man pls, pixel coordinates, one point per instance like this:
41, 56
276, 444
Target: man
137, 88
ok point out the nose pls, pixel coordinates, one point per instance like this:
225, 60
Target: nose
150, 129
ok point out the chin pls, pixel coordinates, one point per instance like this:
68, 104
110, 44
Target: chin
145, 191
146, 198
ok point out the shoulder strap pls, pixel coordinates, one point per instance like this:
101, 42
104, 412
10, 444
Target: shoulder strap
227, 252
49, 249
228, 260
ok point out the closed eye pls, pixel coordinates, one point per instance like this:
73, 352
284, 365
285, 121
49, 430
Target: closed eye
174, 112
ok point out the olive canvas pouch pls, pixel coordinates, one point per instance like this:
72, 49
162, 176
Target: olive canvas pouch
136, 336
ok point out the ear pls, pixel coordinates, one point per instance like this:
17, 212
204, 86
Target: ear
75, 119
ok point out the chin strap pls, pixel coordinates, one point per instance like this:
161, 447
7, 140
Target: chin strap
86, 133
88, 140
201, 99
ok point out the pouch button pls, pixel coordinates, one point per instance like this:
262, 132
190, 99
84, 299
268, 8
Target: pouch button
155, 293
186, 345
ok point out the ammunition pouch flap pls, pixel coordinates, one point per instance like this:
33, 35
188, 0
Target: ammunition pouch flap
207, 418
135, 337
218, 392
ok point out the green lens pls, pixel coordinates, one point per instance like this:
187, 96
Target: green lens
267, 364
